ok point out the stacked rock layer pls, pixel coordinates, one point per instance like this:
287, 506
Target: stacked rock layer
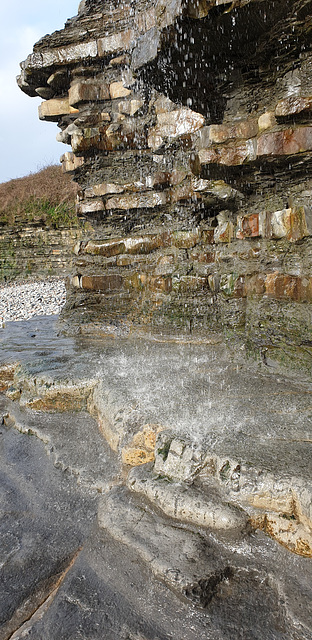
191, 132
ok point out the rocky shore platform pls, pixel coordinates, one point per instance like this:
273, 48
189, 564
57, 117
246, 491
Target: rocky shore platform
151, 489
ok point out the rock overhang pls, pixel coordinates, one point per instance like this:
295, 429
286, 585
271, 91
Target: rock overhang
187, 118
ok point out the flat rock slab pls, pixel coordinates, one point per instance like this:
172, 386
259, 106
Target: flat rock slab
110, 591
144, 576
196, 390
44, 520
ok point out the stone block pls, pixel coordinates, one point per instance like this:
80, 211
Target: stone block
137, 201
60, 56
186, 239
130, 107
293, 105
286, 287
216, 188
119, 61
182, 191
160, 284
164, 105
219, 133
103, 189
280, 223
70, 162
289, 223
229, 155
107, 249
117, 90
146, 48
90, 206
116, 42
177, 458
198, 8
266, 121
166, 178
87, 92
75, 282
174, 124
205, 257
105, 284
286, 142
187, 284
52, 110
255, 285
233, 285
224, 232
178, 122
248, 226
167, 12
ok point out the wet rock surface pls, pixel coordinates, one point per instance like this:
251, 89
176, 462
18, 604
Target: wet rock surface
211, 538
190, 127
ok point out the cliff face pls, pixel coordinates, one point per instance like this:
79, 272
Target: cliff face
190, 126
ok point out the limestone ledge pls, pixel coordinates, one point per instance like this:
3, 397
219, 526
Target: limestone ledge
186, 480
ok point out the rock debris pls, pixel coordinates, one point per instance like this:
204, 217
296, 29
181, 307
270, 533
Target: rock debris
22, 301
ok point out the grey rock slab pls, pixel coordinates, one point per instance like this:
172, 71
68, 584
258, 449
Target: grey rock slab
44, 520
73, 442
186, 503
175, 555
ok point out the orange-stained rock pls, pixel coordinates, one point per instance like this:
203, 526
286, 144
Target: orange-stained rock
7, 373
289, 223
142, 447
106, 284
287, 287
286, 142
134, 456
248, 226
288, 531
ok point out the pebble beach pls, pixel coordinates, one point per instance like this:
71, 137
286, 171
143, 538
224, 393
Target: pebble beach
24, 300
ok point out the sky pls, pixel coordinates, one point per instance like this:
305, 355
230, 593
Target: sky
26, 144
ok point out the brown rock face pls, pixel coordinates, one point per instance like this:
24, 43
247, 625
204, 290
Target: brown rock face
193, 152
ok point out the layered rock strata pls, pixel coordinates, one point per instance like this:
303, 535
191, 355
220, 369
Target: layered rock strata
32, 251
191, 134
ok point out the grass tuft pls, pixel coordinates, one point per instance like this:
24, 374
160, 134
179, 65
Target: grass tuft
46, 197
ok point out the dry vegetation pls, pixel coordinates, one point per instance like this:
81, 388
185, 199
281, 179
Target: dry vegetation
46, 197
